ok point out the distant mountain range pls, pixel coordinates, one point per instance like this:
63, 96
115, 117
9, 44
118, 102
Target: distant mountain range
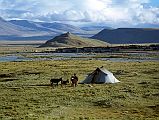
49, 27
71, 40
10, 31
128, 35
29, 30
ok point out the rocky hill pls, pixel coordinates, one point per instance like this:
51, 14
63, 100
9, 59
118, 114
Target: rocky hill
128, 35
70, 40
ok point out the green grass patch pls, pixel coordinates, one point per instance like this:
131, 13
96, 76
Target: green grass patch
26, 92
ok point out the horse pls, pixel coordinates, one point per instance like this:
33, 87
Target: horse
64, 82
52, 81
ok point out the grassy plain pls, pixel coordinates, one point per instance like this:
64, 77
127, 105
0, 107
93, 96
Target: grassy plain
14, 47
26, 94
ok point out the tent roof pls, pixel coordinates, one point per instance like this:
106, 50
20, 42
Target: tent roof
105, 71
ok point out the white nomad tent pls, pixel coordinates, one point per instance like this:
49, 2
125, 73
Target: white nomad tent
99, 76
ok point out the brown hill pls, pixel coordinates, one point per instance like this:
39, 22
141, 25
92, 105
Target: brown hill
70, 40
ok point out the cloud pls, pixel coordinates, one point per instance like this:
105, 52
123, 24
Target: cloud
113, 12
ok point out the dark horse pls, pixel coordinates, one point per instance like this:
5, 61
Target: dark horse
52, 81
64, 82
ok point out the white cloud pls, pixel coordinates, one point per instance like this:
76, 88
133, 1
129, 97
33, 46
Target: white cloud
96, 11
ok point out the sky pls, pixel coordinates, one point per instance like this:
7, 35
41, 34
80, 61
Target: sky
83, 12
